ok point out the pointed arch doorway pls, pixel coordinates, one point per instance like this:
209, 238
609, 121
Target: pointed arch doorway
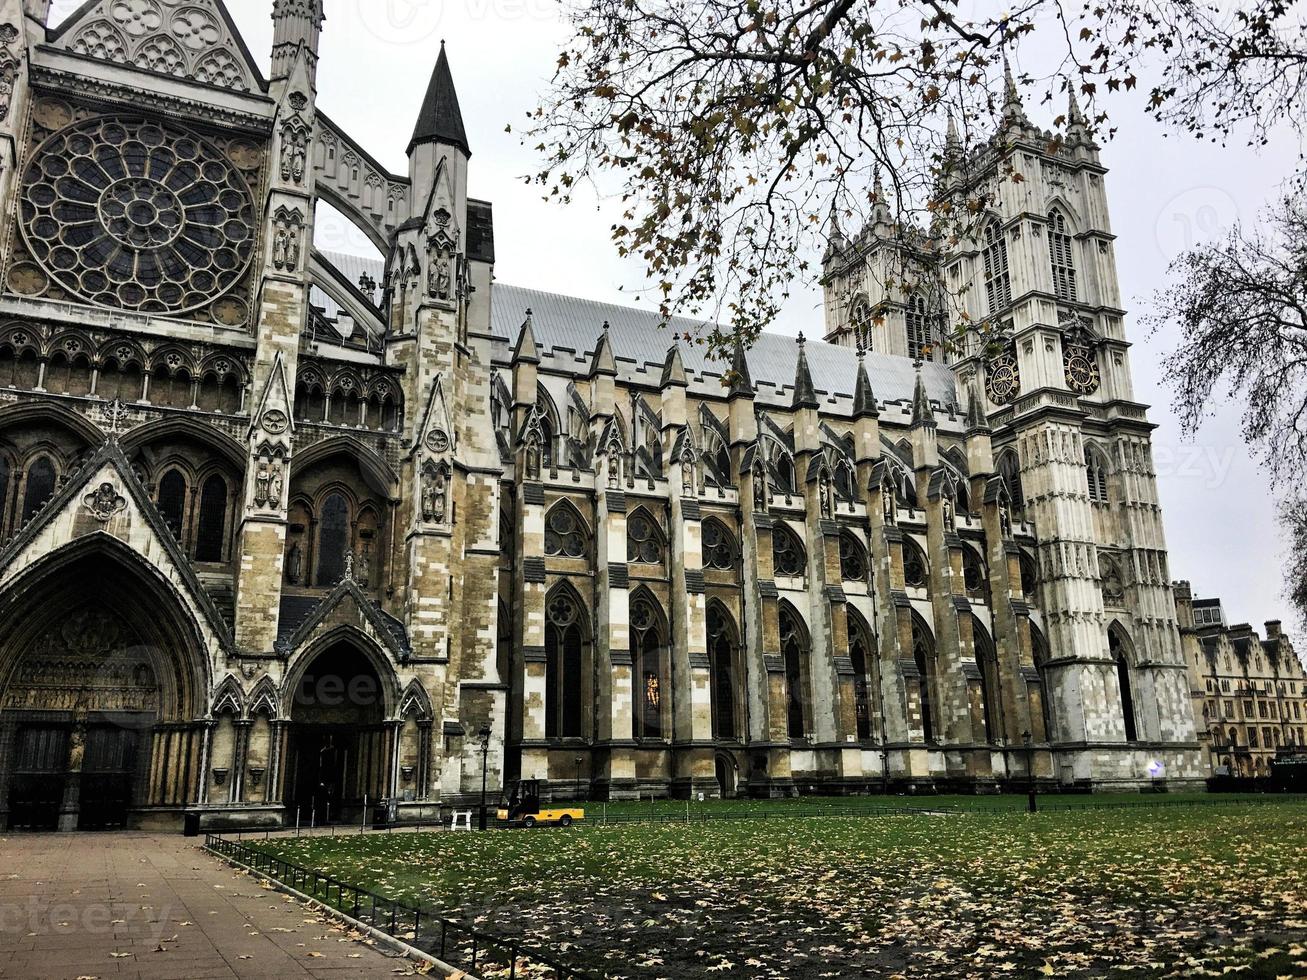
101, 675
340, 742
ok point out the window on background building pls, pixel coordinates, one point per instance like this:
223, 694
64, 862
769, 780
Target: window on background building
333, 539
564, 676
564, 533
211, 529
1252, 738
644, 541
1060, 249
648, 647
721, 659
1096, 473
853, 559
787, 553
794, 652
172, 501
914, 566
998, 282
922, 329
923, 655
860, 655
41, 478
718, 546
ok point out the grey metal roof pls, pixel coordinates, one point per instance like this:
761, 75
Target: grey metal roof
568, 323
568, 328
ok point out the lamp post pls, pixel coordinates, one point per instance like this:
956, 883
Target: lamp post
579, 760
485, 763
1029, 741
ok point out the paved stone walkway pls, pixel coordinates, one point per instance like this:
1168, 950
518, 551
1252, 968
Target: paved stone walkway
140, 905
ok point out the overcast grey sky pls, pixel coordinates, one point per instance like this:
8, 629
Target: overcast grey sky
1167, 192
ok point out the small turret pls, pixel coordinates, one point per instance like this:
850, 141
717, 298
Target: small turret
925, 429
805, 396
439, 147
296, 23
1014, 113
741, 381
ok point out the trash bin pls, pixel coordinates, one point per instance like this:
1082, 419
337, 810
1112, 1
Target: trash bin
191, 824
381, 815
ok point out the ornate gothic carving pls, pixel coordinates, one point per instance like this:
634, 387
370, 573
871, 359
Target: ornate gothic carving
295, 134
287, 231
170, 241
105, 502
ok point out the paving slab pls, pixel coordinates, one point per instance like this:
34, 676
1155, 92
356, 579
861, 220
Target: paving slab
158, 907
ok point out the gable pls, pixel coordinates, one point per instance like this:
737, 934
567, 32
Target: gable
195, 40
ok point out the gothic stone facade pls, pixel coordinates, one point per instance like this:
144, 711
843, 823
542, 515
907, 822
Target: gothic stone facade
286, 532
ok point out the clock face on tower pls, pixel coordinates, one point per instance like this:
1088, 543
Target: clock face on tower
1081, 370
1003, 378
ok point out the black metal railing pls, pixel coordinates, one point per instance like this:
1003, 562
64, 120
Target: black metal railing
449, 940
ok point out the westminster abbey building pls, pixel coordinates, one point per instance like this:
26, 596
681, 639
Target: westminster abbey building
288, 532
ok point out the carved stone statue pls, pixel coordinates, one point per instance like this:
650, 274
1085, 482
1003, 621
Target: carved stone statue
947, 507
8, 73
533, 460
280, 247
262, 484
760, 494
687, 474
1004, 519
275, 485
364, 566
889, 507
614, 465
439, 282
824, 489
440, 495
293, 249
295, 564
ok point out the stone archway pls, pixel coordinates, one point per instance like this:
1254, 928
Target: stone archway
100, 673
341, 739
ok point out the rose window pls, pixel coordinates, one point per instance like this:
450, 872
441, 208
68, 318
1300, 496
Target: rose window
137, 215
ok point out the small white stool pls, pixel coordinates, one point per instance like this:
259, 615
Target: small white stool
462, 820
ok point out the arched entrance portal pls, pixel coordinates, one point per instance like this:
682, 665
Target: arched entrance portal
98, 674
341, 747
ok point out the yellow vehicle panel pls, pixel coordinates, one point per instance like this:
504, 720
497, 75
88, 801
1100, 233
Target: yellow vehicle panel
554, 816
550, 816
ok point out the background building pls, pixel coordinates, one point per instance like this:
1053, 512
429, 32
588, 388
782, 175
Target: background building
287, 531
1249, 693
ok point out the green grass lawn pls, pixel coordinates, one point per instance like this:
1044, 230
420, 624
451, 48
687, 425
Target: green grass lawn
1128, 891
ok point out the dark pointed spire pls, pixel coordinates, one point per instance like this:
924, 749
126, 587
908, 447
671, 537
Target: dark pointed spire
977, 421
741, 381
526, 350
440, 120
880, 212
1077, 130
603, 362
922, 413
836, 243
805, 396
1014, 114
864, 399
674, 369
